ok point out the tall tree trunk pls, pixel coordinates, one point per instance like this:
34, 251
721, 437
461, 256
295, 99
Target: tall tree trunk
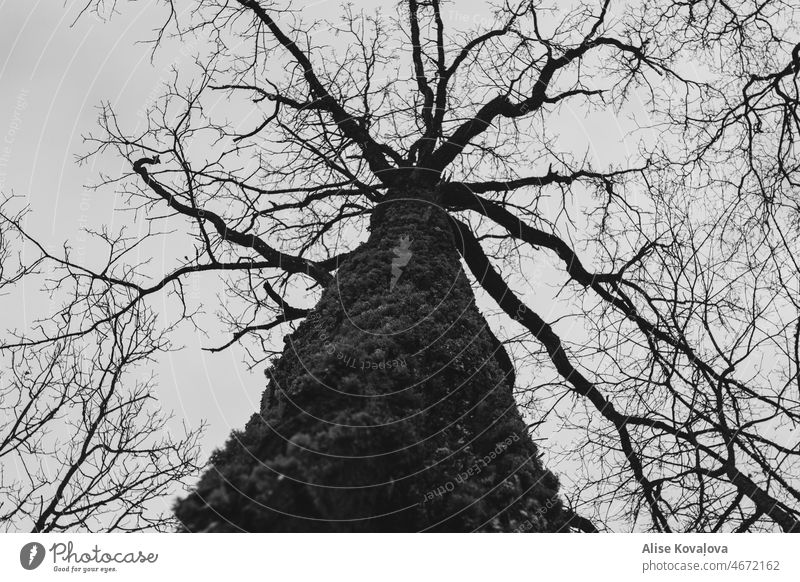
390, 409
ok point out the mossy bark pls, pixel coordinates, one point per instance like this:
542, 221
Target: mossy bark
389, 410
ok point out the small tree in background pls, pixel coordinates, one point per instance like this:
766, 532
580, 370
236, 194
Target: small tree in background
82, 445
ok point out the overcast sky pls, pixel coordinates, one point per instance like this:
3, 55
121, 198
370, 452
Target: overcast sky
53, 74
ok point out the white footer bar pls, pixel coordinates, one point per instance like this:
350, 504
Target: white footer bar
400, 557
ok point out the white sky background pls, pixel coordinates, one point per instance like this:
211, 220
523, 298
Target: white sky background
53, 75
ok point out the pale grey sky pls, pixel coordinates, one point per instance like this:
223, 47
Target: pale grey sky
52, 78
53, 75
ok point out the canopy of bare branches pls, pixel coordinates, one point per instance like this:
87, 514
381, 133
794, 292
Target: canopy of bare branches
665, 377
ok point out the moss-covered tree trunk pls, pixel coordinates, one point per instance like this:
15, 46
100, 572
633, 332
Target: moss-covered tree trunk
389, 410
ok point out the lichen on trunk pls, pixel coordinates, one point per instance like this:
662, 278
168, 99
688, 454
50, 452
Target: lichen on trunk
390, 408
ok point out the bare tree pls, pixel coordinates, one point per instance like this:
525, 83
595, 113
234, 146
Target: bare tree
83, 447
672, 375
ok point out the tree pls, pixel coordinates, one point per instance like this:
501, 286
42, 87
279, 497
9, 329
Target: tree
85, 447
676, 388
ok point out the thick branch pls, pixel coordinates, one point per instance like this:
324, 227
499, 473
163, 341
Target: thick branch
502, 106
462, 197
288, 263
493, 283
373, 152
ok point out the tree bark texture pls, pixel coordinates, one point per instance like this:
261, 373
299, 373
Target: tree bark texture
391, 408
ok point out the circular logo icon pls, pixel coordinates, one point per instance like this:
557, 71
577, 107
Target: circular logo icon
31, 555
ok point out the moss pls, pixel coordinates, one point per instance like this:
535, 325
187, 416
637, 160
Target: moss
392, 410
